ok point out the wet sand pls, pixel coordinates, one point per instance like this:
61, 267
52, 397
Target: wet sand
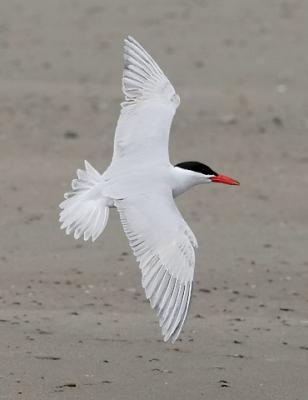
74, 323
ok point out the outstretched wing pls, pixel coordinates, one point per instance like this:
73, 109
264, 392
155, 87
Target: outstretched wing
142, 132
164, 245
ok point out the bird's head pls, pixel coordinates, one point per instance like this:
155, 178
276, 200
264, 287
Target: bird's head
207, 173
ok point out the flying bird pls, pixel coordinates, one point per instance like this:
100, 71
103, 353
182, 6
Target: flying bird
141, 184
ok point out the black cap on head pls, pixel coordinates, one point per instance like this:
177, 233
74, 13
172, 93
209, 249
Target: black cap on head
197, 167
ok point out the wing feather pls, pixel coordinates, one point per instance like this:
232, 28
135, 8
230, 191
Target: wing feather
143, 127
142, 74
164, 246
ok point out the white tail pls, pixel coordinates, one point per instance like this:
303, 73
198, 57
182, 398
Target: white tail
85, 210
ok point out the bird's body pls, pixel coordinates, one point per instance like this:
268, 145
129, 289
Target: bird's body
120, 184
141, 184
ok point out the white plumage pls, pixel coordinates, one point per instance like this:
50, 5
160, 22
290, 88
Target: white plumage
84, 210
163, 244
142, 132
141, 183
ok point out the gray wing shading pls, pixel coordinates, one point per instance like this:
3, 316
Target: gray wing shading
142, 77
164, 247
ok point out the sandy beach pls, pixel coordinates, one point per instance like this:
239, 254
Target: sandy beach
74, 322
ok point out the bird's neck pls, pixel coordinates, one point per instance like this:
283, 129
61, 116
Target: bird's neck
184, 179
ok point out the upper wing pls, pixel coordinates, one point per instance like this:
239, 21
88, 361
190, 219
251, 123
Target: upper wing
164, 246
142, 132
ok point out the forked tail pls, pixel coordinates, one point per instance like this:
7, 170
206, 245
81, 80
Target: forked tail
85, 210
